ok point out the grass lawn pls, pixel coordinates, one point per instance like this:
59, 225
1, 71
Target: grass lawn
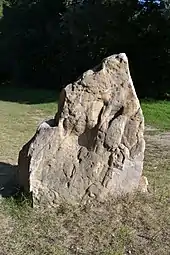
20, 113
138, 225
157, 113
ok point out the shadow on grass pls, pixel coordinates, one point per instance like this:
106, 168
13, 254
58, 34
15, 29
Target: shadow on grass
8, 180
28, 96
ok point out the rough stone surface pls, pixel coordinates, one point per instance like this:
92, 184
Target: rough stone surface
94, 147
143, 184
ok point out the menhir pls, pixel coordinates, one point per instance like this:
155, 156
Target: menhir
94, 147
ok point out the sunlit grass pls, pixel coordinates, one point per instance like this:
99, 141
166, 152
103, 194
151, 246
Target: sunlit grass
157, 113
131, 225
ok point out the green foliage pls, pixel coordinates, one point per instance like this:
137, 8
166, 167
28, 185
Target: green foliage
49, 43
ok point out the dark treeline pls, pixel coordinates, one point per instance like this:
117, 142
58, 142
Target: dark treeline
48, 43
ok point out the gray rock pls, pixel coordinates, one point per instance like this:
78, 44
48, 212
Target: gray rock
94, 147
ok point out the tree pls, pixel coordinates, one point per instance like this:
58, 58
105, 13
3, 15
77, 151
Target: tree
58, 40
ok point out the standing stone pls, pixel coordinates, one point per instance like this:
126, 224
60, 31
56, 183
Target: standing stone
94, 147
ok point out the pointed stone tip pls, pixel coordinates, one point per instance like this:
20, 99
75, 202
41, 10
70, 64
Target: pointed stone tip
120, 56
123, 56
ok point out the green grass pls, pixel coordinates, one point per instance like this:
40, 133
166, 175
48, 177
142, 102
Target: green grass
157, 113
20, 113
138, 224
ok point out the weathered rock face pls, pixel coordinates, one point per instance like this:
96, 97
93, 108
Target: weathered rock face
94, 147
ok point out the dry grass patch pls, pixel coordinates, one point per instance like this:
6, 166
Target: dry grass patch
132, 225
